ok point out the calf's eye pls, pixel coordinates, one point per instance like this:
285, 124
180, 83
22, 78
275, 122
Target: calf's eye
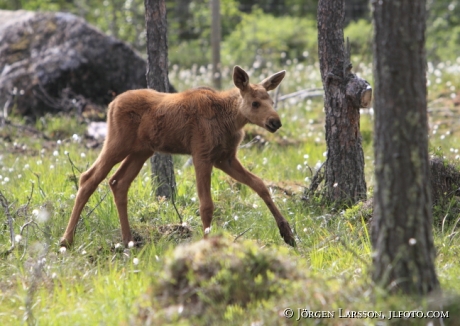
255, 104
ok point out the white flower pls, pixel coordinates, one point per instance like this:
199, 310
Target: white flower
83, 155
318, 165
55, 153
236, 217
335, 185
207, 230
135, 261
41, 214
131, 244
18, 238
72, 196
59, 142
412, 241
26, 166
63, 250
118, 245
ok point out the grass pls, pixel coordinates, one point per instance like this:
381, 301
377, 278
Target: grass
96, 283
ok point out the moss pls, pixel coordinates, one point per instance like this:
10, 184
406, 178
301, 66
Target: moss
22, 44
218, 271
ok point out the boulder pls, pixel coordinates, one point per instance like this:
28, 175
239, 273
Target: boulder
51, 62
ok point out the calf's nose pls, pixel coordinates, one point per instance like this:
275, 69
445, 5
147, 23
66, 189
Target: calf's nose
273, 124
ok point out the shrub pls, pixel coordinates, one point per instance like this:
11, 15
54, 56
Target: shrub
218, 271
359, 34
261, 38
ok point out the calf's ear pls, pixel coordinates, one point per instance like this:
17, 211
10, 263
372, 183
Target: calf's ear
273, 81
240, 78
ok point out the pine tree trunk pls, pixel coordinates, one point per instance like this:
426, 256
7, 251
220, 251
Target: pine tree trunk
215, 43
345, 93
157, 78
402, 225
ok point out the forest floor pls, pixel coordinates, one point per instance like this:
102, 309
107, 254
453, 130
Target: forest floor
244, 274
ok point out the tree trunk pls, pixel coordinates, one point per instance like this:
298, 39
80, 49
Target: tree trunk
345, 93
157, 78
402, 225
215, 42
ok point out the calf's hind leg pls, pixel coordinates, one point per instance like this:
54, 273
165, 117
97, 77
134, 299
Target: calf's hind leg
89, 181
234, 169
120, 183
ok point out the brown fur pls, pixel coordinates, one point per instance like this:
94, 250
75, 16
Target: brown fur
200, 122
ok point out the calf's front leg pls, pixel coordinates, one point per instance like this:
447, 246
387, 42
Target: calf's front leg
234, 169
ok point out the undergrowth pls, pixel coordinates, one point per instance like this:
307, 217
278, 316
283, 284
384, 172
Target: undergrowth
243, 275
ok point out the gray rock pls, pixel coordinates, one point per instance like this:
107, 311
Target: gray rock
51, 62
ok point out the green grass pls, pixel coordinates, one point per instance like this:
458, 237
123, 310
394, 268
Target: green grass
96, 284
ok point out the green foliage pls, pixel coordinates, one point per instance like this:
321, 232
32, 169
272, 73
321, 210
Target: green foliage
42, 5
252, 31
443, 30
359, 34
192, 20
218, 271
256, 40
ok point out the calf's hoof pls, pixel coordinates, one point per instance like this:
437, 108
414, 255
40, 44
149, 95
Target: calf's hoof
65, 243
286, 233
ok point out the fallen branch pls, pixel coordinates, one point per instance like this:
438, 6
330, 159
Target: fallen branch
241, 234
97, 205
303, 94
39, 186
6, 206
6, 122
74, 179
316, 181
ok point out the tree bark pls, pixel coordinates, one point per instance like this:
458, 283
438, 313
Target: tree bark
215, 43
345, 93
157, 78
402, 237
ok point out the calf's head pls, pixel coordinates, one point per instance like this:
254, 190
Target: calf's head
257, 105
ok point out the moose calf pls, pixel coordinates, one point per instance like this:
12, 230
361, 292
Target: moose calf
203, 123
